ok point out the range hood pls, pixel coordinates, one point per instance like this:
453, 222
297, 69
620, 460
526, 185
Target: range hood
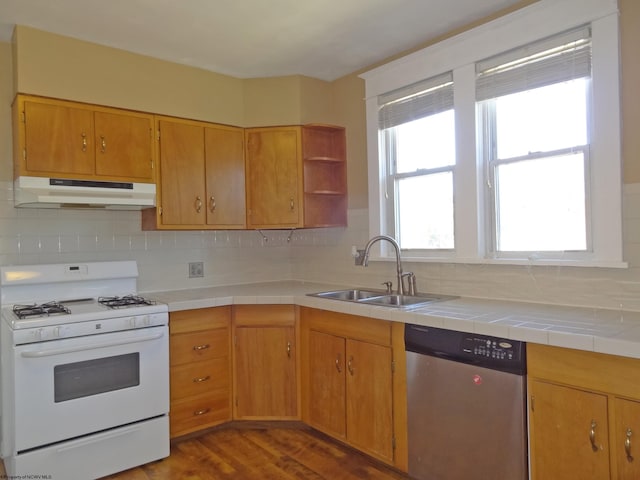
43, 192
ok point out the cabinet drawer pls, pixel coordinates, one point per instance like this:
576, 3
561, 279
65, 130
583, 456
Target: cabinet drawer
264, 315
193, 347
199, 412
199, 319
199, 377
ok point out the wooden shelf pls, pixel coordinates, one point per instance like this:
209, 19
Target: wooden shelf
325, 175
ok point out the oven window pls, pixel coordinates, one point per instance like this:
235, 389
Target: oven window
83, 379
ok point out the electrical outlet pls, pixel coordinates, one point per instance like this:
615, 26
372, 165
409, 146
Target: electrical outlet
196, 269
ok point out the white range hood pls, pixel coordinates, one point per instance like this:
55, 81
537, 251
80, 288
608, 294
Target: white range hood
43, 192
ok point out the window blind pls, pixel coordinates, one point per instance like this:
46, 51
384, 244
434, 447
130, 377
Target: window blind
560, 58
415, 101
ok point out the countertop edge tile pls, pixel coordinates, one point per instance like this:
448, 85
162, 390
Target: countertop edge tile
528, 322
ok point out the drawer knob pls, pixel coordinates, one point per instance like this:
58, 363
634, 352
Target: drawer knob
201, 379
201, 347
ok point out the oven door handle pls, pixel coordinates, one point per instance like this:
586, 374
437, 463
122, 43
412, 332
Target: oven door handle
61, 351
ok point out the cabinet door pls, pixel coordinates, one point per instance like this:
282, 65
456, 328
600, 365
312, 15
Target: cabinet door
274, 177
124, 145
369, 382
626, 439
58, 140
182, 173
569, 433
224, 157
327, 390
265, 372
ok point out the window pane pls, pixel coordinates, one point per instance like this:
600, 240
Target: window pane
542, 120
425, 143
425, 211
541, 204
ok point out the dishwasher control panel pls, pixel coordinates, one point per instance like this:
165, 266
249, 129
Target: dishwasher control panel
483, 350
490, 347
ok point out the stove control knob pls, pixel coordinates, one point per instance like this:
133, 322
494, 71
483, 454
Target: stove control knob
38, 334
132, 322
146, 320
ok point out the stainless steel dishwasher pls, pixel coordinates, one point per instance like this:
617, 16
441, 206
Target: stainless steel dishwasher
466, 399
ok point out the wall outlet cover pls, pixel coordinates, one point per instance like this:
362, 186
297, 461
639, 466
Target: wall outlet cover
196, 269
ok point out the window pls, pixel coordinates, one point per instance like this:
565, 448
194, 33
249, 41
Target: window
523, 163
534, 116
418, 133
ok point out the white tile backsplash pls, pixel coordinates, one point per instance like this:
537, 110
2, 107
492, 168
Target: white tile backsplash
322, 255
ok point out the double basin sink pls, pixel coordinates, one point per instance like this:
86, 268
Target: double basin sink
382, 298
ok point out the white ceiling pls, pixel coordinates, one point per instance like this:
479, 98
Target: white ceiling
325, 39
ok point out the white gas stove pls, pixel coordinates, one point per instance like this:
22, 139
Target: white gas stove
85, 379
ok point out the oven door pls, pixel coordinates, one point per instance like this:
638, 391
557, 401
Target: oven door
71, 387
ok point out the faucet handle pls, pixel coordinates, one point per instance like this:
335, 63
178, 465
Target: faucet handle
411, 282
389, 286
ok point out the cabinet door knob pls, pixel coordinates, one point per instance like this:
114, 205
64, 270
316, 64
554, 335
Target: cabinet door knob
103, 144
338, 367
84, 142
289, 349
198, 204
627, 445
212, 203
291, 204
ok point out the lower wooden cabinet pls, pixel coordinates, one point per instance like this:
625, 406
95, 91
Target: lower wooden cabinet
265, 369
200, 369
349, 386
584, 414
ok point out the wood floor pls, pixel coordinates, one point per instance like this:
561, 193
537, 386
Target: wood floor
261, 453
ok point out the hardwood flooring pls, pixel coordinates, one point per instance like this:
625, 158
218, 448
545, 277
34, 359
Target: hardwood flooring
261, 453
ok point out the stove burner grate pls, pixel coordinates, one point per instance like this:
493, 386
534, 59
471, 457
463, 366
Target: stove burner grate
43, 310
125, 301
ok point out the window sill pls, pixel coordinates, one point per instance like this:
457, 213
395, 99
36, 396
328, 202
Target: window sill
508, 261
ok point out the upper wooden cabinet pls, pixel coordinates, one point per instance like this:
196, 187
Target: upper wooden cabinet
274, 177
56, 138
296, 177
202, 182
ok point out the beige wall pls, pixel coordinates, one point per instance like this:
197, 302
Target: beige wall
630, 33
6, 96
288, 100
57, 66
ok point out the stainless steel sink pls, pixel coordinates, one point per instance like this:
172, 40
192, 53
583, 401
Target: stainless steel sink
406, 301
352, 295
381, 298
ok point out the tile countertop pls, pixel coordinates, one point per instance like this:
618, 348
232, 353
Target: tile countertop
606, 331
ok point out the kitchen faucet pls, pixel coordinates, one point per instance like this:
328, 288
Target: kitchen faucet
391, 240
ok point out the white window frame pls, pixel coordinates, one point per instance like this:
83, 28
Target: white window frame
459, 54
